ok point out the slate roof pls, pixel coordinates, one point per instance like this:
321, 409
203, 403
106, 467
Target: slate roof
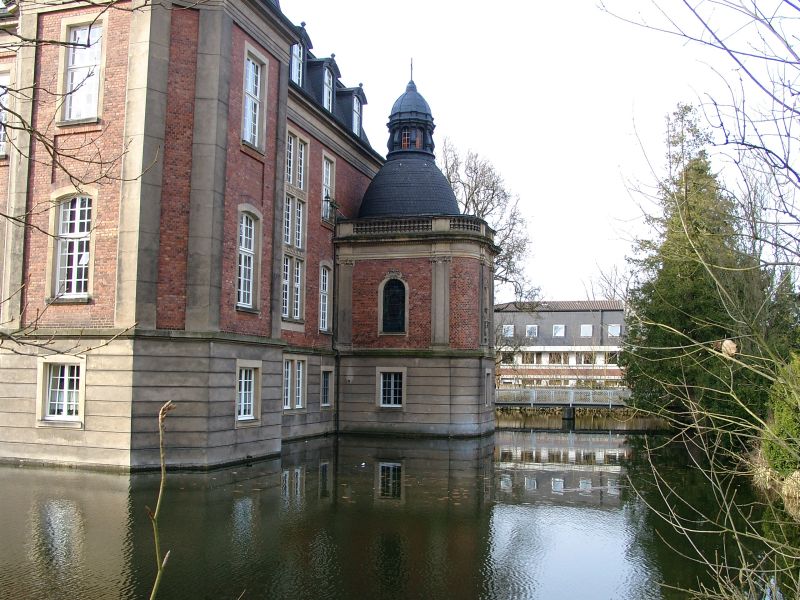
409, 183
561, 306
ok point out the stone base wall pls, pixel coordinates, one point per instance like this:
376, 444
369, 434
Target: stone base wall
444, 396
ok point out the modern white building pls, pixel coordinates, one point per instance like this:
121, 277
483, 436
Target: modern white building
559, 344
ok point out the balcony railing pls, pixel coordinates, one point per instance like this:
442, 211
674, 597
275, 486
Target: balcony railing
562, 396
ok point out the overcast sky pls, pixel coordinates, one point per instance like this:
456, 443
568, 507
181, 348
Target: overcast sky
567, 102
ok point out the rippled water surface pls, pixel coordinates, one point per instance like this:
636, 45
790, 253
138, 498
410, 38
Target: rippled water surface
519, 515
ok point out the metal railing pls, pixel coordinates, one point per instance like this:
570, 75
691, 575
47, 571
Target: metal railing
564, 396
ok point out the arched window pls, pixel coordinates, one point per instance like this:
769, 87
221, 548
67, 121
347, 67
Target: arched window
246, 266
394, 307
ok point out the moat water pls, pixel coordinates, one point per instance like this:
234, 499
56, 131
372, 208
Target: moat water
525, 513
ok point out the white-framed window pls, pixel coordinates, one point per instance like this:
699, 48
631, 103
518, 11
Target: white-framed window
326, 387
288, 211
298, 53
508, 331
248, 392
324, 298
531, 331
287, 266
294, 222
327, 189
356, 115
586, 330
4, 103
244, 393
391, 386
73, 247
246, 274
327, 90
82, 78
61, 390
296, 152
299, 211
253, 111
559, 330
294, 383
292, 287
614, 330
297, 291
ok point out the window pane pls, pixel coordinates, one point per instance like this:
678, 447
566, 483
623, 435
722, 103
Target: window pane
287, 384
325, 389
245, 393
83, 72
299, 378
394, 306
391, 389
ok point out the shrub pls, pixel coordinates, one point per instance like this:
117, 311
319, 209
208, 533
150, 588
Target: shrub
780, 444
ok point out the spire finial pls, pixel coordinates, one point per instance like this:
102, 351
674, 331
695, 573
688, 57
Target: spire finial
412, 69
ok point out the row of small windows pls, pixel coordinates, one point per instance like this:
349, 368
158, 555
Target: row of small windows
560, 330
560, 358
63, 388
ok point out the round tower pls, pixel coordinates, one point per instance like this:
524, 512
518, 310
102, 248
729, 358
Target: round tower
414, 290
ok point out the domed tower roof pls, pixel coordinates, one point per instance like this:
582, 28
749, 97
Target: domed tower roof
409, 183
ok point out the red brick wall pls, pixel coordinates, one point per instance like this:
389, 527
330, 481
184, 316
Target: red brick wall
176, 190
250, 178
367, 277
465, 291
103, 141
349, 187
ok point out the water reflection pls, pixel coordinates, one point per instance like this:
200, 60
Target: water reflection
521, 515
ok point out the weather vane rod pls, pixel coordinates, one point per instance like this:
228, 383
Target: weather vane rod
412, 69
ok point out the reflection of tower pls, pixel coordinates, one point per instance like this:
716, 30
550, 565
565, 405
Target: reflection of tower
413, 276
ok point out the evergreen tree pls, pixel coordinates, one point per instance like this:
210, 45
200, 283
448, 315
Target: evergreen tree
690, 306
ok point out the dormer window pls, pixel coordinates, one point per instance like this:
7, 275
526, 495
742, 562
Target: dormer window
327, 90
297, 63
356, 115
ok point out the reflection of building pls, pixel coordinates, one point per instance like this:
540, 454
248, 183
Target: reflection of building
559, 344
561, 468
248, 255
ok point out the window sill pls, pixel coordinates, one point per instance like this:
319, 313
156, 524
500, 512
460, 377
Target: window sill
60, 424
70, 300
393, 333
391, 406
327, 223
245, 423
252, 151
298, 410
76, 122
248, 310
